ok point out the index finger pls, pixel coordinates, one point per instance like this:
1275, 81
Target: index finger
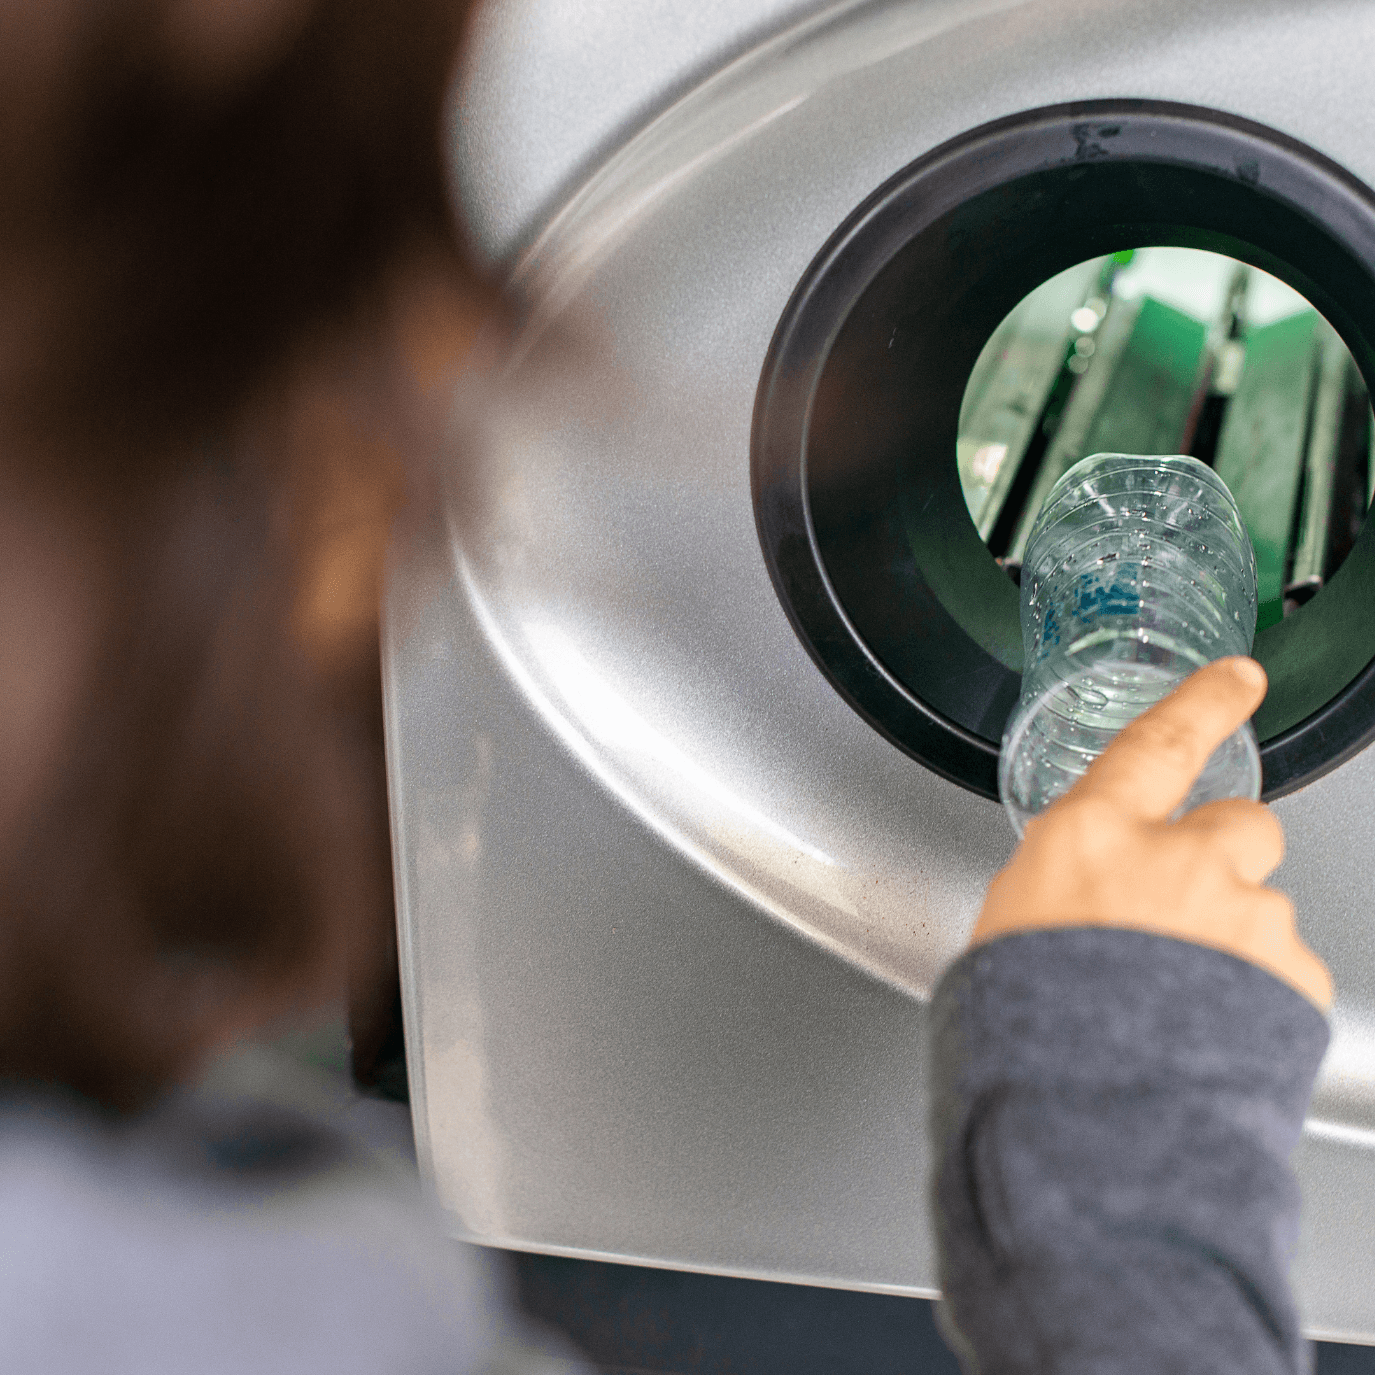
1149, 768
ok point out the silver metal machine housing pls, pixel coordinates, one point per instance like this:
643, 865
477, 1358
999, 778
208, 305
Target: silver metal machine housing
670, 910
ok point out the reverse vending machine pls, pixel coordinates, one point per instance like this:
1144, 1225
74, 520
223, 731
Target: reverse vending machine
696, 677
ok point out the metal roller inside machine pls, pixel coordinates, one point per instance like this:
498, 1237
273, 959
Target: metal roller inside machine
1176, 350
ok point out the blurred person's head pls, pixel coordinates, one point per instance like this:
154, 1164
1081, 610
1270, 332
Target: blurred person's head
224, 236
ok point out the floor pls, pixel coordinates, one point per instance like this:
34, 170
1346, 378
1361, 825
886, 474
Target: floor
634, 1321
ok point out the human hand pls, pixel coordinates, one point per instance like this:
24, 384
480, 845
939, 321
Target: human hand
1106, 854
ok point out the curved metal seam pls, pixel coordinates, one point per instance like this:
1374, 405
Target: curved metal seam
582, 748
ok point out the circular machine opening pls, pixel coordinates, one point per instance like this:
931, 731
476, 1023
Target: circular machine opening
1117, 276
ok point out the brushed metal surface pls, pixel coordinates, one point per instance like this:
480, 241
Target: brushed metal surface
549, 88
669, 908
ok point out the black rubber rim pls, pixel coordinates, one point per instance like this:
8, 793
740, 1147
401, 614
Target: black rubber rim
856, 494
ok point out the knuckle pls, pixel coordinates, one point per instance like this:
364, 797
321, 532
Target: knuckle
1093, 829
1245, 813
1196, 854
1168, 738
1228, 811
1080, 843
1272, 909
1247, 829
1091, 815
1281, 908
1270, 828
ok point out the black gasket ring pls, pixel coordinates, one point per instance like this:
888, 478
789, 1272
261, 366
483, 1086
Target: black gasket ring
1088, 178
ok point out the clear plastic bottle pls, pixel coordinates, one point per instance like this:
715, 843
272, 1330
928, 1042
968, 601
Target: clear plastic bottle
1137, 572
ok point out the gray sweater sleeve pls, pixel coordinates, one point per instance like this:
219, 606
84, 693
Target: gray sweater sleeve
1113, 1115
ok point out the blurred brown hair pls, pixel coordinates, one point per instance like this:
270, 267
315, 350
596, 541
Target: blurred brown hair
205, 209
183, 199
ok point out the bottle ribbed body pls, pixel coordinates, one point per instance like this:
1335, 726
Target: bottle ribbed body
1137, 572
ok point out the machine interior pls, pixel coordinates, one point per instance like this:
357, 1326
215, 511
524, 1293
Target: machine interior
1176, 350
